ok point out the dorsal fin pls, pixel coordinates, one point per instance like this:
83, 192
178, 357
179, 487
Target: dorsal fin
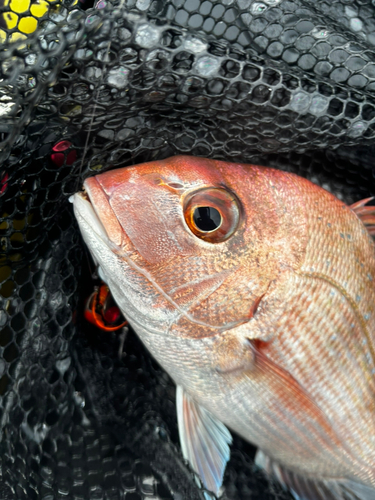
366, 214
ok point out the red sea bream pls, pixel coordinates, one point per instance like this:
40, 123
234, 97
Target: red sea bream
254, 289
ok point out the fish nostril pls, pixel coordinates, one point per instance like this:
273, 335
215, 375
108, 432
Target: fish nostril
175, 185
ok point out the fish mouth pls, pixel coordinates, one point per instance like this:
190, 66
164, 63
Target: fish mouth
85, 196
93, 206
92, 213
85, 213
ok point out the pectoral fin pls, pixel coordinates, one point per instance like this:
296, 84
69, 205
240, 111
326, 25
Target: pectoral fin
291, 422
246, 359
310, 488
204, 440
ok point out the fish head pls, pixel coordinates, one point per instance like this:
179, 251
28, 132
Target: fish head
187, 245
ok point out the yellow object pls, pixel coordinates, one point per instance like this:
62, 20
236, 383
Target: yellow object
39, 9
19, 6
10, 19
33, 10
28, 25
14, 37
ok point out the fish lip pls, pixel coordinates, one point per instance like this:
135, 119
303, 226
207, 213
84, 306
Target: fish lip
85, 210
104, 214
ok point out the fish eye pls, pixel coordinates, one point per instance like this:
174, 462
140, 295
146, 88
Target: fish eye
212, 214
207, 218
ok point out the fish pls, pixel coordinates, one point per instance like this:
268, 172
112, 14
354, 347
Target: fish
254, 289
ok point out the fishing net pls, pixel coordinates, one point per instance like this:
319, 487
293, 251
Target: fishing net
84, 88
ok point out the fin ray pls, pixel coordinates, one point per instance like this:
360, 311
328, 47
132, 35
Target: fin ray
204, 440
365, 213
309, 488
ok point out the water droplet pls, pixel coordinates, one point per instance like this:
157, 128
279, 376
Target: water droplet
118, 77
62, 365
319, 33
79, 399
31, 82
269, 144
207, 66
101, 4
272, 3
319, 105
300, 102
161, 432
195, 45
357, 129
147, 36
91, 20
356, 24
257, 8
30, 59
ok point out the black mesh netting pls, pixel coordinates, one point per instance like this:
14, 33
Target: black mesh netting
85, 88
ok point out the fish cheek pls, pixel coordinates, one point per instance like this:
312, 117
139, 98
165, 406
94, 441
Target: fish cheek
152, 222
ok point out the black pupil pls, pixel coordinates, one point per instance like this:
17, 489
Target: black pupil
207, 218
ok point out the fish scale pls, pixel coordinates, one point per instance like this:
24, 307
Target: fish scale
308, 348
265, 321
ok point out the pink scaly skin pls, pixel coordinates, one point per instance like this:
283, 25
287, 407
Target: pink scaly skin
268, 321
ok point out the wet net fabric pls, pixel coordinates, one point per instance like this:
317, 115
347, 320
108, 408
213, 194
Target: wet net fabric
84, 88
